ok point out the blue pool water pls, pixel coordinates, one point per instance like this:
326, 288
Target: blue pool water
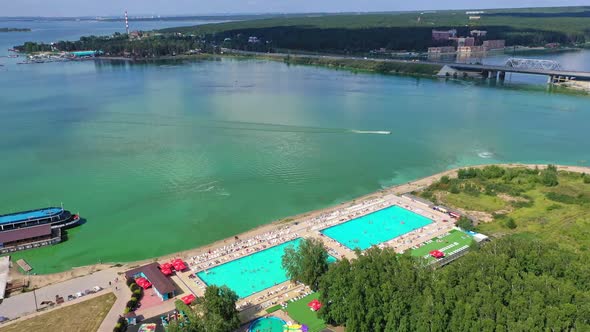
377, 227
267, 324
34, 214
253, 273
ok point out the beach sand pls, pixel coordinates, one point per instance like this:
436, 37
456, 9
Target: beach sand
37, 281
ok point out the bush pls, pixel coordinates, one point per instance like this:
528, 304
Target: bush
467, 173
510, 223
586, 179
130, 281
131, 304
553, 207
549, 176
522, 204
454, 189
492, 172
465, 223
471, 189
445, 180
561, 198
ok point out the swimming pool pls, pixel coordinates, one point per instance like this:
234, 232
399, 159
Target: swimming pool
377, 227
267, 324
253, 273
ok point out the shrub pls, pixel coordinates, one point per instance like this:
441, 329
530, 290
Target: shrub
492, 172
445, 180
553, 207
454, 189
134, 287
130, 281
471, 189
467, 173
586, 179
522, 204
465, 223
561, 198
131, 304
510, 223
549, 176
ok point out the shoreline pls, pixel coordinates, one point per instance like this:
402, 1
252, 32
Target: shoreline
41, 280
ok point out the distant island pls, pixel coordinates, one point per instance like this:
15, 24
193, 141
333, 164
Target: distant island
15, 30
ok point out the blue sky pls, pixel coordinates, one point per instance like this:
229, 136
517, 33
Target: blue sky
187, 7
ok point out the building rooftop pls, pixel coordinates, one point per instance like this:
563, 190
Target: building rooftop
29, 215
25, 233
151, 271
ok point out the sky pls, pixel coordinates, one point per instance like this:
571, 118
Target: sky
201, 7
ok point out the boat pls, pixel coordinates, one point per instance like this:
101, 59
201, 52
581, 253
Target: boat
57, 217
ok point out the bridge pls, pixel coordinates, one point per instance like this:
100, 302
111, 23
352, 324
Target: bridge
549, 68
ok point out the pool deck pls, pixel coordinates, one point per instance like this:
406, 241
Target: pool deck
253, 306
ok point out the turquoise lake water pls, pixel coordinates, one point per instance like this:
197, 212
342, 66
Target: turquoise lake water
180, 154
253, 273
376, 228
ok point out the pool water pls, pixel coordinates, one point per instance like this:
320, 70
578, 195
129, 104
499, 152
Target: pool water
267, 324
377, 227
253, 273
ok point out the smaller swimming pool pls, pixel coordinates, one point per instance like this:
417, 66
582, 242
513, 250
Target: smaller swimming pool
377, 227
267, 324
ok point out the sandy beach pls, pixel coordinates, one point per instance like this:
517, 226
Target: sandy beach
38, 281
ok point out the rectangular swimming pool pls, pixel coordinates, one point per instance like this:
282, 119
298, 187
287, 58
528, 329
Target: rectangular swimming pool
376, 228
253, 273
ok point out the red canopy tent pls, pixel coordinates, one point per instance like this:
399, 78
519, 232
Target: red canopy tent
315, 305
437, 254
143, 283
166, 269
188, 299
178, 264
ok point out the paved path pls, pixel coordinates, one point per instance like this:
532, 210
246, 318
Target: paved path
123, 294
23, 304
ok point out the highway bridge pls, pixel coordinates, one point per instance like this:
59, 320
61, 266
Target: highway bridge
549, 68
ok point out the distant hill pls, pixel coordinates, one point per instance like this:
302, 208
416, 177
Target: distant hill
404, 30
15, 29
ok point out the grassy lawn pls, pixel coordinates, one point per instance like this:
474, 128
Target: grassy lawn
300, 312
84, 317
482, 203
560, 213
455, 239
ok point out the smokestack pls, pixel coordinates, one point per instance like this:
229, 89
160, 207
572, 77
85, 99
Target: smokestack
126, 23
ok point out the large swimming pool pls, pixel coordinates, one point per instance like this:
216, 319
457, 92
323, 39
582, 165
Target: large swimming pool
377, 227
253, 273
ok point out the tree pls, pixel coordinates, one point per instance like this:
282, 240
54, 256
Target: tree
510, 223
464, 223
306, 264
220, 306
549, 176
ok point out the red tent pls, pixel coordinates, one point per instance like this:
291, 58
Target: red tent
166, 269
178, 264
188, 299
437, 254
143, 283
315, 305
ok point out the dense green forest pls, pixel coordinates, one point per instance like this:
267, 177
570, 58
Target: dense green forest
510, 284
400, 31
120, 44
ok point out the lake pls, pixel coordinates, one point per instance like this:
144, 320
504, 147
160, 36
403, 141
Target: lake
171, 155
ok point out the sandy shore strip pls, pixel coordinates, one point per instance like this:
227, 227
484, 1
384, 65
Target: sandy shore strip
37, 281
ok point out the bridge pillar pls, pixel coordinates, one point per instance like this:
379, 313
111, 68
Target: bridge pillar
502, 76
